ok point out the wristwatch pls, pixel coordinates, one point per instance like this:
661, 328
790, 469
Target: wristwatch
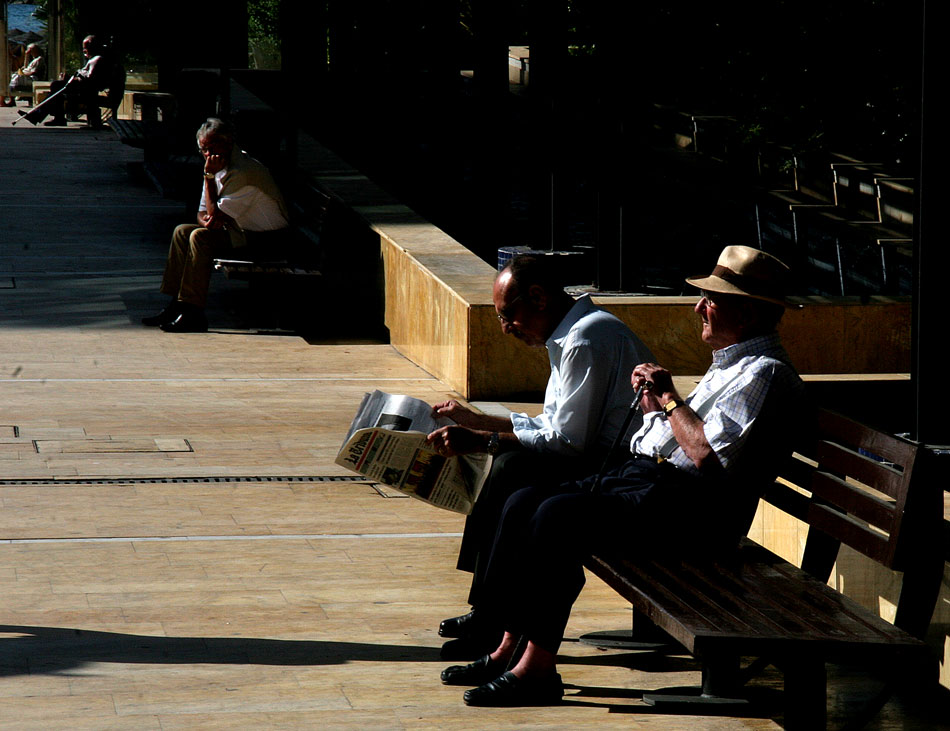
672, 405
494, 443
209, 176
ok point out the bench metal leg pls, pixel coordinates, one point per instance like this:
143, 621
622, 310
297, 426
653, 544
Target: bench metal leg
721, 677
805, 693
643, 635
720, 693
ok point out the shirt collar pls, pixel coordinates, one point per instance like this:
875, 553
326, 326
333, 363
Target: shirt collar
584, 305
761, 345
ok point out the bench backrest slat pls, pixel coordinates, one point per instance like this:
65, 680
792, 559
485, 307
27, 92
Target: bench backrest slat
858, 479
849, 432
851, 532
864, 468
853, 499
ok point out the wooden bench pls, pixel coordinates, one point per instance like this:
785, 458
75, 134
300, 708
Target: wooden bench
278, 280
858, 486
138, 133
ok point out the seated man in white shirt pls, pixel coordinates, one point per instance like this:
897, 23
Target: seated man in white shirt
242, 214
588, 396
691, 483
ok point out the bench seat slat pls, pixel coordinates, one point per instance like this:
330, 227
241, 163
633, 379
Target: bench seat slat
833, 617
237, 268
758, 589
759, 586
727, 591
708, 590
660, 605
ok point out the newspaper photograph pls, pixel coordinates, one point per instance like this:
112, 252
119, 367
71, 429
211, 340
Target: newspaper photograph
387, 443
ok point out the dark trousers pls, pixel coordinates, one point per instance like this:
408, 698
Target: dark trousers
534, 571
81, 91
510, 472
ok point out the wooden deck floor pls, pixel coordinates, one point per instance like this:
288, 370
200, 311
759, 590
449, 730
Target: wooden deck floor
177, 548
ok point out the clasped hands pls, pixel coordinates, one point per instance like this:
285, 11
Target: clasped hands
659, 386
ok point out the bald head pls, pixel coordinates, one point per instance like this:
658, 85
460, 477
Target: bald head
529, 301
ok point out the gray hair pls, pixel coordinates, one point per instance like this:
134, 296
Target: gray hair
214, 127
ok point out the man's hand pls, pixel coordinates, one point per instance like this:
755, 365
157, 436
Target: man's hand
456, 412
686, 425
215, 220
472, 419
662, 389
451, 441
214, 164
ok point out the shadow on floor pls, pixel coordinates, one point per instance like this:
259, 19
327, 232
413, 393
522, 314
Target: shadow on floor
55, 649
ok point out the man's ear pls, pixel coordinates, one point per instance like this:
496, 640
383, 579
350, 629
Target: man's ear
537, 296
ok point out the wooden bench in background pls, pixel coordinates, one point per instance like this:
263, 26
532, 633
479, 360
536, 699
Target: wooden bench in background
857, 486
284, 283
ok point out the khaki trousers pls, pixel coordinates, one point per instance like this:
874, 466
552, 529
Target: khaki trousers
190, 256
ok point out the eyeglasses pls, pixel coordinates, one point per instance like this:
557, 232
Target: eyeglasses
213, 146
708, 296
504, 316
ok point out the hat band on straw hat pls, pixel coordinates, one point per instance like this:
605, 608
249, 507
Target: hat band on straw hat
753, 287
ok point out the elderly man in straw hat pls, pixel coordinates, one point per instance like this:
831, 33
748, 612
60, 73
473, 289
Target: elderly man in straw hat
690, 482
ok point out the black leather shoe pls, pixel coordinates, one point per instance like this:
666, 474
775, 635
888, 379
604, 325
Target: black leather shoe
510, 690
55, 122
471, 648
462, 626
475, 673
163, 317
187, 322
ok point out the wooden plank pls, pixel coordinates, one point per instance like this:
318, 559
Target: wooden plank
853, 434
878, 475
854, 500
855, 534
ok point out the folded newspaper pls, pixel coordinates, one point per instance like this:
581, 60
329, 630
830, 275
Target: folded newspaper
387, 443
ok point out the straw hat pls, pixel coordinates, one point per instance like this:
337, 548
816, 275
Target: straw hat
747, 272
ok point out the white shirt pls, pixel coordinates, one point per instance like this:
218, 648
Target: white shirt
740, 379
249, 205
588, 395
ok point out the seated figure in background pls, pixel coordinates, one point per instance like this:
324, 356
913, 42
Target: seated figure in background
242, 213
98, 74
33, 69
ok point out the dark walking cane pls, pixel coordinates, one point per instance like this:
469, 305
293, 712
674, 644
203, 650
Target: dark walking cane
634, 408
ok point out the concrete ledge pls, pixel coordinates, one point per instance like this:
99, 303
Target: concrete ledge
440, 315
439, 312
